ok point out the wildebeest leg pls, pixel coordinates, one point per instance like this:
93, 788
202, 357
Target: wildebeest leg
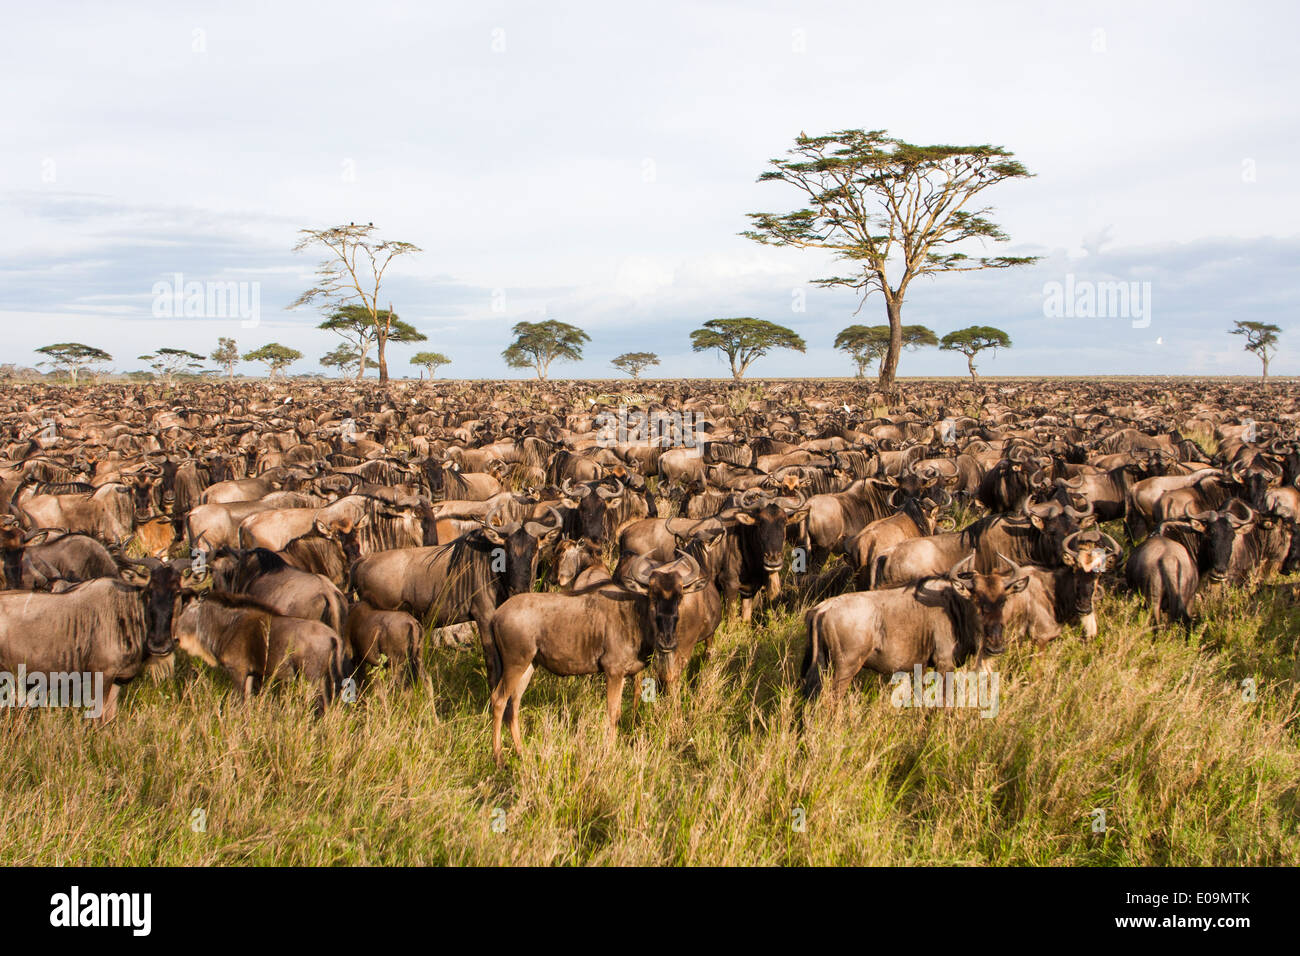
110, 703
516, 734
746, 609
1089, 622
415, 661
482, 612
501, 696
613, 703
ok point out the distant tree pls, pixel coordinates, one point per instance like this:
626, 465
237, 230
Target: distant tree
72, 357
866, 344
356, 326
226, 354
167, 362
634, 363
343, 358
538, 344
1261, 338
353, 272
274, 356
973, 340
432, 361
892, 210
744, 340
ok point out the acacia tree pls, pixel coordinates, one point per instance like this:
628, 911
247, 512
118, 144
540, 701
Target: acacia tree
167, 362
353, 272
1261, 338
744, 340
275, 356
892, 210
538, 344
354, 324
343, 357
634, 363
866, 344
972, 340
226, 354
72, 357
431, 361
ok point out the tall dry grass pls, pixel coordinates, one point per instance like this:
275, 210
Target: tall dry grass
1154, 729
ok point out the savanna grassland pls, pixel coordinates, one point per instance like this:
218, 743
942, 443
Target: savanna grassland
1155, 729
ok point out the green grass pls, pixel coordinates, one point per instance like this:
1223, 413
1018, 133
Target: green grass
1152, 728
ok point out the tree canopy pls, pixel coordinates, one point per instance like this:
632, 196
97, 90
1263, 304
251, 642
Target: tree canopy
342, 357
356, 326
866, 344
972, 340
634, 363
226, 354
744, 340
73, 357
431, 361
352, 272
274, 356
1261, 338
892, 211
167, 362
538, 344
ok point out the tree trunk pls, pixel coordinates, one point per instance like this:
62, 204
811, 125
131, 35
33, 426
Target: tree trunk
889, 367
381, 341
970, 364
1264, 377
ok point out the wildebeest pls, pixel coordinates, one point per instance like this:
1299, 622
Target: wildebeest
36, 560
106, 626
611, 628
255, 645
937, 621
372, 635
457, 582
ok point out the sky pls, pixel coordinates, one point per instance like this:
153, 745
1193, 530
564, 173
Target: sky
594, 163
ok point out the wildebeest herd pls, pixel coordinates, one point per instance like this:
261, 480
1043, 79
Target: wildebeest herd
324, 531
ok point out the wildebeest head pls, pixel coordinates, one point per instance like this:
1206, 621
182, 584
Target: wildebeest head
519, 543
1218, 530
1090, 553
664, 587
988, 594
572, 558
12, 534
768, 518
592, 501
161, 582
1055, 521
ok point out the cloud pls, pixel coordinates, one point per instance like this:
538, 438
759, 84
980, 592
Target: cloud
595, 164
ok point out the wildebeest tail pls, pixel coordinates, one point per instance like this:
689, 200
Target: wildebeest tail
814, 655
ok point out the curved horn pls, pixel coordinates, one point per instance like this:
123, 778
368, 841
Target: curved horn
1015, 568
693, 571
539, 529
959, 569
641, 569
